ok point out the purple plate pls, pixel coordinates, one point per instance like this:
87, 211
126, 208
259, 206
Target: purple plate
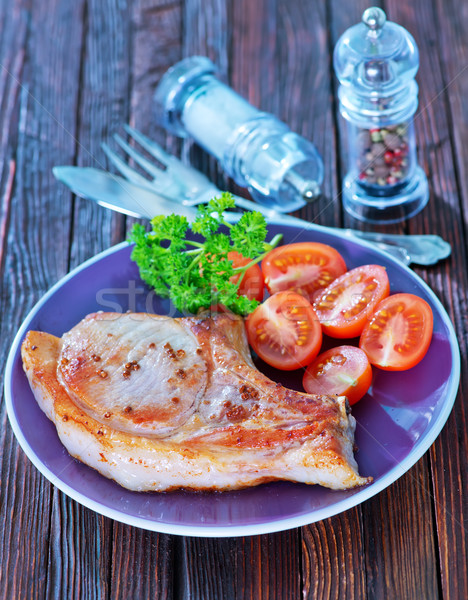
397, 421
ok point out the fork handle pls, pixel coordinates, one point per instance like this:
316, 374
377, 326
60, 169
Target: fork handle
423, 249
418, 249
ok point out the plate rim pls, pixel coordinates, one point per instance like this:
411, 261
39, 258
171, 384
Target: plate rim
228, 530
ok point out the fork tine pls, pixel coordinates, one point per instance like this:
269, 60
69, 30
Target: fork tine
123, 168
149, 145
137, 157
192, 179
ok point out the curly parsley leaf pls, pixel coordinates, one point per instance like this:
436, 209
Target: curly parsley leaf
172, 229
194, 270
249, 233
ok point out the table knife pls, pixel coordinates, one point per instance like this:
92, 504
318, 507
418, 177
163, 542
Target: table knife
117, 193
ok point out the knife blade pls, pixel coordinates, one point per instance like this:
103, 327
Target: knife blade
118, 194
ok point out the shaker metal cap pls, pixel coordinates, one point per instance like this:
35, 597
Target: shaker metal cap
374, 18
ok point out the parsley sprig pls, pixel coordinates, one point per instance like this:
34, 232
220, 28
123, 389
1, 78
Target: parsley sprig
196, 273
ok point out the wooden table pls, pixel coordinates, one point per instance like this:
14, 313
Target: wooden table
72, 73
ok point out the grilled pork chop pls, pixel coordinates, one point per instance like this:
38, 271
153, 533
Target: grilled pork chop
158, 404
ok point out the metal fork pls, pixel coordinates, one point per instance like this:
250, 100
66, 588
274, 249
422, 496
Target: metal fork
186, 185
177, 180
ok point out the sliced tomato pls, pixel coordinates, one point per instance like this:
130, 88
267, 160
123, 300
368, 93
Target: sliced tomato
284, 331
305, 267
252, 284
344, 371
347, 304
399, 334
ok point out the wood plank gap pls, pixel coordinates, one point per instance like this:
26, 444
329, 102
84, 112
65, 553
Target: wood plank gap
303, 557
435, 533
15, 76
179, 568
6, 210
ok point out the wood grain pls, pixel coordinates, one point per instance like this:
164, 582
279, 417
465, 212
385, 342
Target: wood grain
334, 546
71, 73
104, 106
305, 100
400, 554
35, 121
79, 551
143, 564
437, 129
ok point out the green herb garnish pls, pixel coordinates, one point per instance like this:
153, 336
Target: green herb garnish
196, 274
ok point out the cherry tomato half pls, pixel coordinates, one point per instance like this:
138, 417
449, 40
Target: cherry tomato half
347, 304
399, 334
284, 331
252, 284
344, 371
305, 266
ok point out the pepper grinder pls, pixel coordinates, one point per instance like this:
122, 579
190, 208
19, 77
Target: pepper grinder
376, 62
281, 169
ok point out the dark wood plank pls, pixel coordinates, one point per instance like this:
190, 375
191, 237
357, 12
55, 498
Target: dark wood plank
440, 32
33, 133
268, 566
280, 62
142, 564
452, 39
304, 87
252, 69
253, 567
253, 66
5, 206
14, 30
156, 46
104, 106
79, 551
333, 558
400, 552
206, 568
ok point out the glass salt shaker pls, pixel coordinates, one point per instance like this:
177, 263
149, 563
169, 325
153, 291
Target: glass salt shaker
281, 169
376, 62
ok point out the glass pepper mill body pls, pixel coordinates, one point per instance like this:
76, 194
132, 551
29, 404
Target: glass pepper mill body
376, 62
280, 168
